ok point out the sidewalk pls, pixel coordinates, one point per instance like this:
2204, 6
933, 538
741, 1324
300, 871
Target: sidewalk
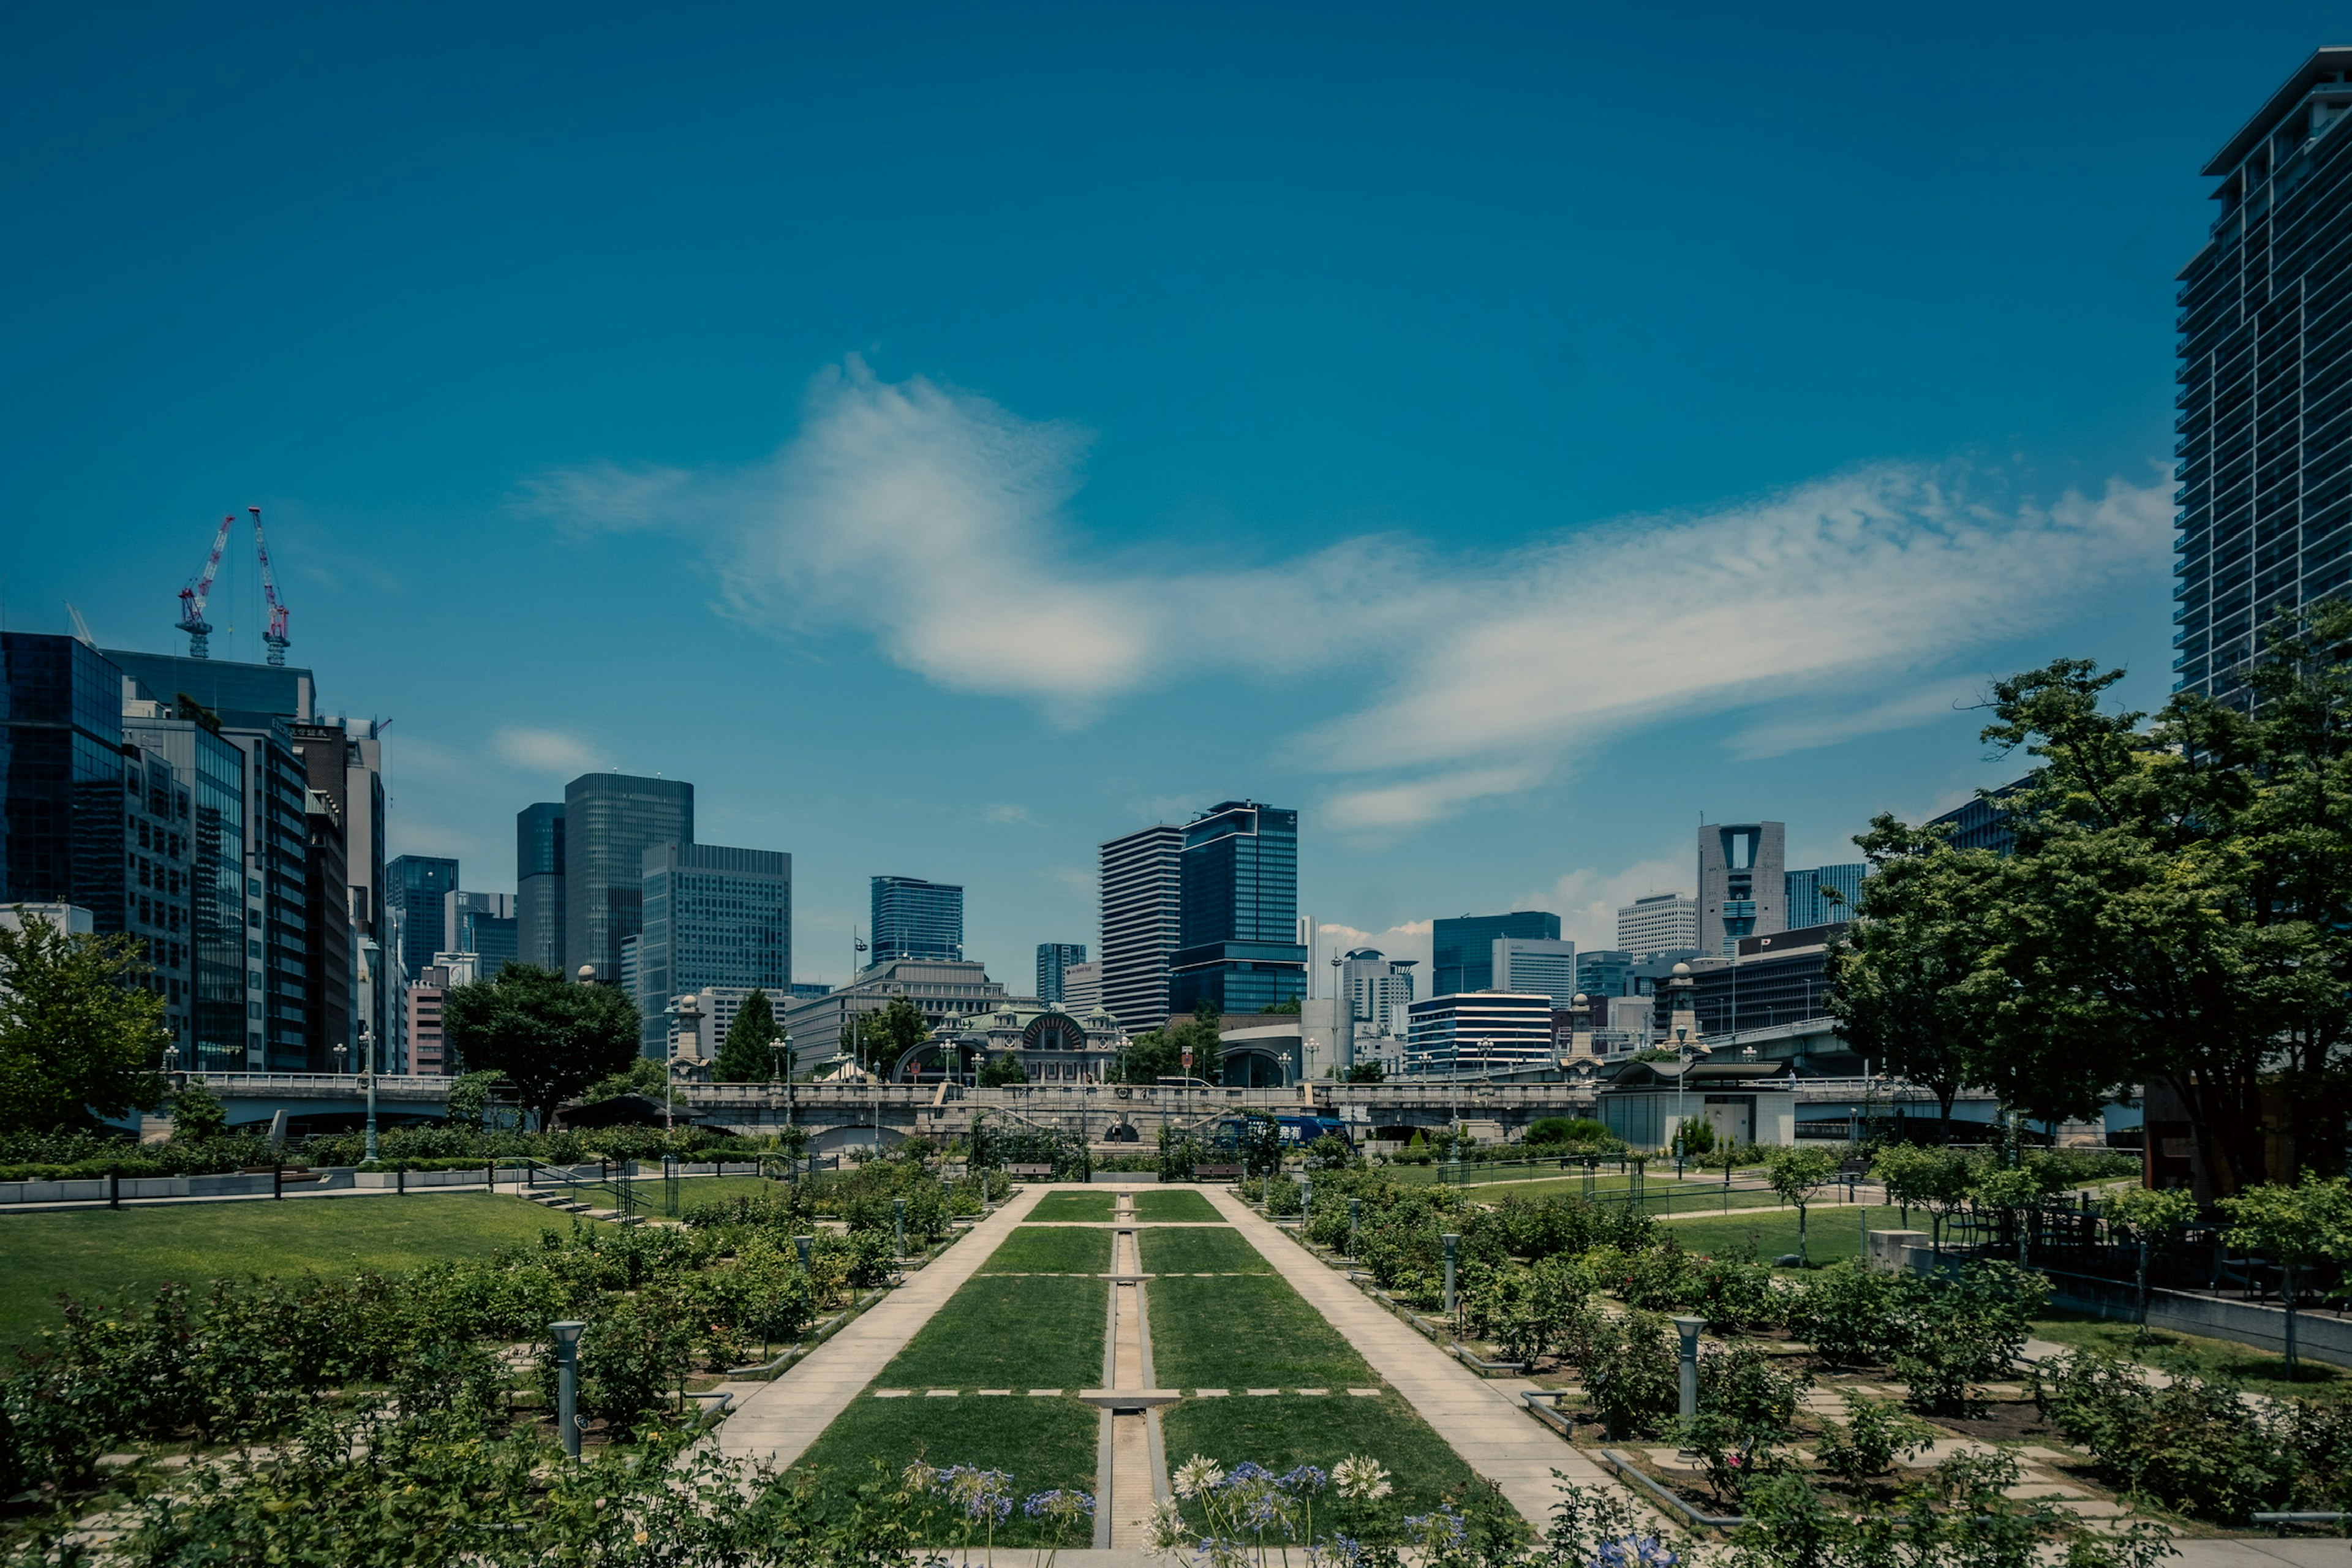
778, 1421
1482, 1419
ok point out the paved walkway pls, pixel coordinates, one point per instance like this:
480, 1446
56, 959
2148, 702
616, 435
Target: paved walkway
776, 1423
1483, 1419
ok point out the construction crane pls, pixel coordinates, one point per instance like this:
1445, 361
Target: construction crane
193, 597
273, 639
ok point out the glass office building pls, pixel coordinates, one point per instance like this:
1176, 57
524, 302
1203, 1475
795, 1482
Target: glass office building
915, 919
1462, 950
420, 886
2264, 409
610, 820
715, 918
1238, 924
539, 884
214, 772
1053, 958
61, 813
1823, 893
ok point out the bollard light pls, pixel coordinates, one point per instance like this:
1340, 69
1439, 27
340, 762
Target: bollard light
1689, 1329
567, 1383
899, 1216
1453, 1248
805, 1244
1355, 1218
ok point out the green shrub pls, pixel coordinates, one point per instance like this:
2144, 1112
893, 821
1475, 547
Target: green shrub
1631, 1370
1875, 1433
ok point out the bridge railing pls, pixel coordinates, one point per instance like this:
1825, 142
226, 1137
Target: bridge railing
333, 1083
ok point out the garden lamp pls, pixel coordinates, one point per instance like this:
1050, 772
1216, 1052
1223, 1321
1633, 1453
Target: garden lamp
1689, 1329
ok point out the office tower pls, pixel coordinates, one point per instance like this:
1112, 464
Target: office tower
539, 884
915, 919
1478, 1032
1742, 883
61, 777
1462, 949
214, 772
1081, 988
1141, 896
1604, 972
610, 820
329, 1016
2264, 470
1533, 964
1662, 922
484, 925
343, 762
714, 918
1380, 988
1981, 823
632, 966
1052, 959
1237, 947
158, 887
421, 885
1824, 894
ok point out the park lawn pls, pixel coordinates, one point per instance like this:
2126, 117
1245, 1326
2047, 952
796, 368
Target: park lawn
1243, 1331
1285, 1430
89, 1252
1067, 1207
2262, 1371
1051, 1250
1224, 1251
1660, 1195
1834, 1232
1180, 1204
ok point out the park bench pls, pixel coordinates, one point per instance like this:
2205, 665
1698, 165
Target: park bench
1029, 1170
1217, 1172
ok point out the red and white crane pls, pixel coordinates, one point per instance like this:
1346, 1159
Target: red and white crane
273, 639
193, 597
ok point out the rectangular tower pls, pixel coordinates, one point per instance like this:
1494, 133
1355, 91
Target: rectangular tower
1461, 949
217, 969
1743, 885
539, 884
610, 820
1141, 920
1535, 963
1052, 959
2264, 470
1824, 894
421, 885
1661, 923
1238, 947
916, 919
715, 918
61, 817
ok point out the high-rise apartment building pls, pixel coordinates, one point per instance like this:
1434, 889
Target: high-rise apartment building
1743, 884
1822, 894
1534, 964
610, 820
1141, 892
1661, 923
421, 885
1238, 875
916, 919
2264, 463
714, 918
425, 1049
539, 884
1462, 947
1052, 959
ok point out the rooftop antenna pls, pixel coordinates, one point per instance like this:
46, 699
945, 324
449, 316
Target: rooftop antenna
273, 639
191, 597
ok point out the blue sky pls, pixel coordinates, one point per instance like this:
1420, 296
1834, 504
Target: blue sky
952, 435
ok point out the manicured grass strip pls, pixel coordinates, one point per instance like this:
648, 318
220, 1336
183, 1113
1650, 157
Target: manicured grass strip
2262, 1371
1833, 1232
89, 1252
1048, 1249
1254, 1331
1284, 1430
1042, 1443
1660, 1195
1038, 1331
1068, 1206
1178, 1204
1200, 1252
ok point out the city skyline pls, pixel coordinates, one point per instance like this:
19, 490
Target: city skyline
445, 465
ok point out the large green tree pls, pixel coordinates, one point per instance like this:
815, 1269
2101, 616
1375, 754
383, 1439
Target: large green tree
743, 1055
885, 1037
548, 1036
1158, 1053
79, 1035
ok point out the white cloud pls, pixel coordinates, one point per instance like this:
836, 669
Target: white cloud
1410, 940
1004, 814
1588, 900
933, 520
545, 750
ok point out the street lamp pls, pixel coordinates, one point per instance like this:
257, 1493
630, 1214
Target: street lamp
367, 1076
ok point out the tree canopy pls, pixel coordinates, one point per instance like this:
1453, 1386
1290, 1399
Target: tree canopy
548, 1036
1158, 1053
80, 1036
743, 1055
883, 1038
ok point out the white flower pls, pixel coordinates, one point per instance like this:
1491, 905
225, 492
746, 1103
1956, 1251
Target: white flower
1361, 1479
1165, 1528
1196, 1475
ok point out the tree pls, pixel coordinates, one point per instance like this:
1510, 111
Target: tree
883, 1038
1926, 1177
2296, 1227
744, 1056
548, 1038
1796, 1174
1003, 1072
197, 1113
79, 1035
469, 1097
1156, 1054
643, 1076
1367, 1072
2146, 1216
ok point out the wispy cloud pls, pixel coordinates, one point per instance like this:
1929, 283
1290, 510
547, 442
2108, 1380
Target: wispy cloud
917, 512
1005, 815
545, 750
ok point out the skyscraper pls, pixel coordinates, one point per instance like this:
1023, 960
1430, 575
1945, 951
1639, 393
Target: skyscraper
1824, 894
2265, 470
1742, 883
484, 925
1053, 958
539, 884
610, 820
61, 776
1238, 947
1462, 947
218, 968
1535, 963
421, 885
1141, 921
1661, 923
1380, 989
715, 918
915, 919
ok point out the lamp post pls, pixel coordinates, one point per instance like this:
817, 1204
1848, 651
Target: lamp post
1453, 1247
367, 1076
1689, 1329
567, 1383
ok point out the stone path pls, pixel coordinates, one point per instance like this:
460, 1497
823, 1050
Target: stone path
776, 1423
1483, 1419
